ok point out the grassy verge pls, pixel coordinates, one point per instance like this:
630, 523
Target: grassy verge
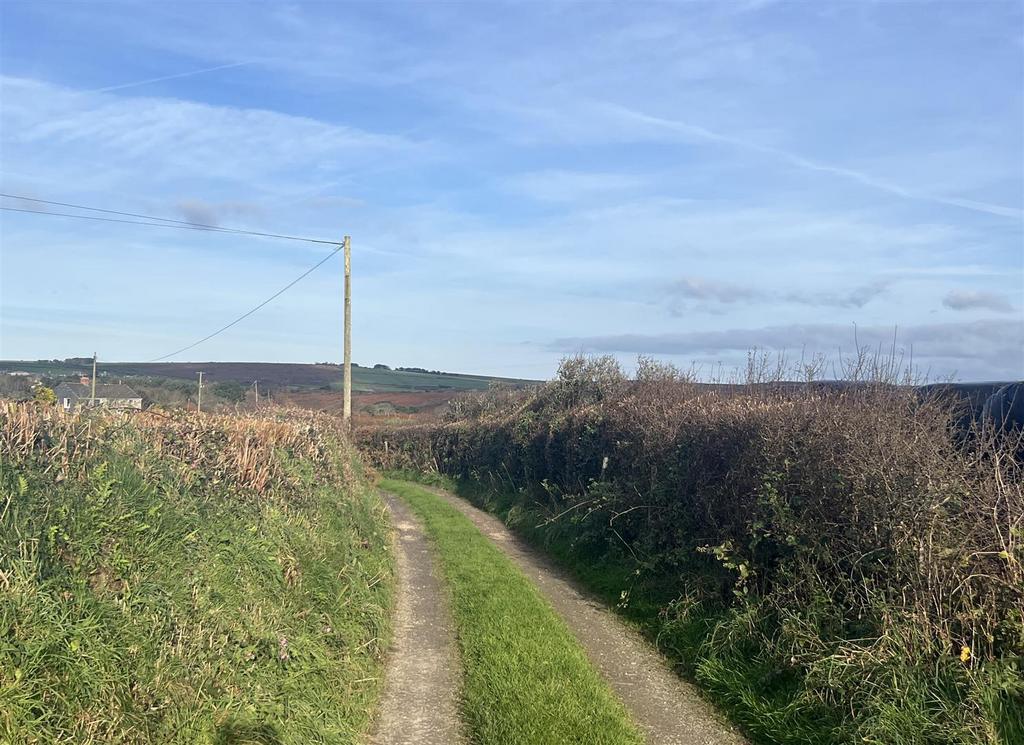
215, 580
722, 649
706, 643
526, 678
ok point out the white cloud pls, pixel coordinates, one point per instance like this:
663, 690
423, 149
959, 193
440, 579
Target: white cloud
154, 141
514, 172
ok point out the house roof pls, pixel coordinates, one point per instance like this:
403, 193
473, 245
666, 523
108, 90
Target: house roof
103, 390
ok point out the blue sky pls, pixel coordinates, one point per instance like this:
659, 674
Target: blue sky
521, 181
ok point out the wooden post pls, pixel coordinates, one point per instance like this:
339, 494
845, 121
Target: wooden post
92, 392
199, 401
347, 378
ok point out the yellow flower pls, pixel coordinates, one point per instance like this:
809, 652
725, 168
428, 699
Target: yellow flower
965, 654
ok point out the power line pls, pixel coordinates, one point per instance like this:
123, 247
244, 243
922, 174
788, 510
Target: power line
250, 312
112, 219
111, 212
164, 222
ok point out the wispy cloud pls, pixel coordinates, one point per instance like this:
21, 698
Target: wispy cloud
175, 76
689, 130
856, 297
523, 171
704, 290
977, 300
201, 212
699, 288
90, 137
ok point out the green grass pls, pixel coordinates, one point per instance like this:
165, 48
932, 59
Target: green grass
136, 608
274, 375
526, 679
726, 652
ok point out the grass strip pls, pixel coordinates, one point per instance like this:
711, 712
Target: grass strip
526, 679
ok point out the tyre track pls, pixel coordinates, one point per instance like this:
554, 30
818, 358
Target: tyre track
666, 708
420, 701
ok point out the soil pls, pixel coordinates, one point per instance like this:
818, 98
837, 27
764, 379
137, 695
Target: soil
421, 694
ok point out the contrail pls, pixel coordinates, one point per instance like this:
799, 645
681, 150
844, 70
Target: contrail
695, 131
110, 88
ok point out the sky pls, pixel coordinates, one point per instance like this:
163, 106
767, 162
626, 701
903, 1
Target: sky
521, 181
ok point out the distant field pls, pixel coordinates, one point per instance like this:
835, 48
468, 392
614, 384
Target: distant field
276, 375
407, 402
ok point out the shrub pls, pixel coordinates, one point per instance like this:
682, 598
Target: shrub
44, 395
839, 539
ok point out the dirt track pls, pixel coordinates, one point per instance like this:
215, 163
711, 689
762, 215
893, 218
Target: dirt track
420, 702
667, 709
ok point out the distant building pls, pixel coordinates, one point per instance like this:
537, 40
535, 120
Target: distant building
108, 395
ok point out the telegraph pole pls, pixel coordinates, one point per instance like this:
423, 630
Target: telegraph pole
199, 401
347, 380
256, 385
92, 392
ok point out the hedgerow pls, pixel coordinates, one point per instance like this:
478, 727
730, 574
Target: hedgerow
835, 563
187, 579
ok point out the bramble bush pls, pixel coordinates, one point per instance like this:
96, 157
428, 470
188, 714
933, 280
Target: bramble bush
834, 562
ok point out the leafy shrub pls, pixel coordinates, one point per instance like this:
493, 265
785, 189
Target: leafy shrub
44, 395
832, 554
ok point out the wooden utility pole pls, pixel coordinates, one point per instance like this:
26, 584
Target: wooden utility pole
199, 401
347, 380
256, 385
92, 382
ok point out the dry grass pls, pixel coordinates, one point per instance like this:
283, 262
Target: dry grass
240, 448
176, 578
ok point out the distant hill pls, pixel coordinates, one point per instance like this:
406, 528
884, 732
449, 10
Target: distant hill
277, 375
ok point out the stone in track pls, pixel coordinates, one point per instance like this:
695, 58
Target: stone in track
667, 709
420, 701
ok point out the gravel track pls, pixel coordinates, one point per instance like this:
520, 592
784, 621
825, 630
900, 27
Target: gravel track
420, 701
